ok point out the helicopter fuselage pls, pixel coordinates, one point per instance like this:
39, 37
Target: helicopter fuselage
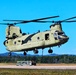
36, 41
18, 41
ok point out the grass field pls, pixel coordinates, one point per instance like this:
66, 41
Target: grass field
36, 72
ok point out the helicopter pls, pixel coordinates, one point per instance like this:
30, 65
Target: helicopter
17, 41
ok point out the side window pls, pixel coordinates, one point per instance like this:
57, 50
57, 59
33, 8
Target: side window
47, 36
15, 42
55, 36
38, 38
20, 31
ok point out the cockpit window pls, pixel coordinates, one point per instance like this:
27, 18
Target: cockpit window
20, 31
55, 35
60, 33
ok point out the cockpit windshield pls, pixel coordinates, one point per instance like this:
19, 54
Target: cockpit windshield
61, 33
58, 35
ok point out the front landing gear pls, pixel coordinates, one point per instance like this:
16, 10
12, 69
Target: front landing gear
9, 54
50, 51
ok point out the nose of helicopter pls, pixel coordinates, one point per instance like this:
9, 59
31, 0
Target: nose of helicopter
64, 39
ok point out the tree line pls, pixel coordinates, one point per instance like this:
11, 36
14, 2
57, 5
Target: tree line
40, 59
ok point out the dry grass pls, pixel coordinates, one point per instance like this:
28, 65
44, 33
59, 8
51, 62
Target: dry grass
3, 64
36, 72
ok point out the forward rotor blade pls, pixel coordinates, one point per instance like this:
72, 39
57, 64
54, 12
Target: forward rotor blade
4, 23
68, 19
55, 21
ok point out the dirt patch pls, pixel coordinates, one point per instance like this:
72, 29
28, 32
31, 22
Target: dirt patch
39, 64
60, 64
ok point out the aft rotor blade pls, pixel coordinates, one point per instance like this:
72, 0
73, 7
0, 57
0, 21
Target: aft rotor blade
46, 21
8, 24
34, 20
46, 18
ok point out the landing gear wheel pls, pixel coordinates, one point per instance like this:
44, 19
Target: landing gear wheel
50, 51
25, 53
9, 54
35, 51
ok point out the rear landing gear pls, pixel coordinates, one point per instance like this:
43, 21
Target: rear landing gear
25, 53
35, 51
50, 51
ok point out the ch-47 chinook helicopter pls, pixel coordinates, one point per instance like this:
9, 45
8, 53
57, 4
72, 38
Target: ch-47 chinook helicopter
17, 41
